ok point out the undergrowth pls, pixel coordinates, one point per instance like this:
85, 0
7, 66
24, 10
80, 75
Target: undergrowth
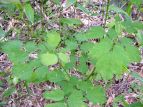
101, 53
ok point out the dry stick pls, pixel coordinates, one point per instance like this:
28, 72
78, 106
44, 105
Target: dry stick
107, 9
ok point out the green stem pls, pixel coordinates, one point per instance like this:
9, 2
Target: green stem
107, 9
64, 70
91, 74
27, 88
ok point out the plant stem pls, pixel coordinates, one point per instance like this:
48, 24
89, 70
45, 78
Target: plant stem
27, 88
107, 9
92, 72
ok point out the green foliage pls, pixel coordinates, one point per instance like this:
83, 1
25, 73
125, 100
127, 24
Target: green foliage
56, 105
56, 76
29, 12
63, 57
96, 95
107, 59
53, 39
140, 37
2, 32
91, 33
85, 10
76, 99
9, 1
117, 10
49, 59
70, 58
137, 104
14, 50
55, 95
70, 2
8, 92
137, 2
70, 21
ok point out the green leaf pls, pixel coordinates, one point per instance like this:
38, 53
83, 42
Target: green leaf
95, 32
74, 80
76, 99
128, 26
72, 62
112, 33
9, 1
125, 42
86, 46
99, 49
2, 104
138, 25
91, 33
85, 85
66, 86
118, 28
56, 76
108, 62
2, 32
14, 50
109, 67
132, 26
112, 63
23, 71
53, 39
42, 47
71, 44
40, 74
82, 67
140, 37
117, 10
136, 104
49, 59
10, 46
55, 95
57, 1
136, 2
85, 10
96, 95
70, 21
59, 104
70, 2
30, 46
133, 53
137, 76
8, 92
63, 57
29, 12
